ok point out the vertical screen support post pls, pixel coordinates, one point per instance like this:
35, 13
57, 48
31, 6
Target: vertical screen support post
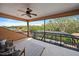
44, 29
28, 29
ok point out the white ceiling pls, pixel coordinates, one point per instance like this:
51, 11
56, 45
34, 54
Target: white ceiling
41, 9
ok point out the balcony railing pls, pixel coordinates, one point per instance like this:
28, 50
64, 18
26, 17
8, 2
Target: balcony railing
59, 38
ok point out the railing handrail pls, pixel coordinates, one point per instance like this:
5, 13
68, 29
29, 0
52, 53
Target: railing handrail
36, 34
58, 33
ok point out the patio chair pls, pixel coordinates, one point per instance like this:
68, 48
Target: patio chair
8, 49
13, 53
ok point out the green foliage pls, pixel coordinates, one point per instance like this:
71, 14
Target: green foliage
35, 28
64, 24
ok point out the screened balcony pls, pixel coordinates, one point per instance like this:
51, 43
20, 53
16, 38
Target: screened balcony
53, 32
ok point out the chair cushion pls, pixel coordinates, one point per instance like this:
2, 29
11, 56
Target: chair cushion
2, 42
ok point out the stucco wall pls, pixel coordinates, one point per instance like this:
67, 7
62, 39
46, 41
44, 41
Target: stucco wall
10, 35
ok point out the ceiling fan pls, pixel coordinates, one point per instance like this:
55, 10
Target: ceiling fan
28, 12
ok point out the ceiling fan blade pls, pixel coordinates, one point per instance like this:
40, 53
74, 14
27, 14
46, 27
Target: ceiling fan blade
29, 15
23, 14
21, 11
33, 14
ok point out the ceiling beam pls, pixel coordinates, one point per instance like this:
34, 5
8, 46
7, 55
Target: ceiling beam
12, 17
63, 14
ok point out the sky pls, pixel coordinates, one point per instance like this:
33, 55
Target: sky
39, 23
10, 22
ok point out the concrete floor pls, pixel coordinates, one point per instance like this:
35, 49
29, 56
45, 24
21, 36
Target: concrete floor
34, 48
